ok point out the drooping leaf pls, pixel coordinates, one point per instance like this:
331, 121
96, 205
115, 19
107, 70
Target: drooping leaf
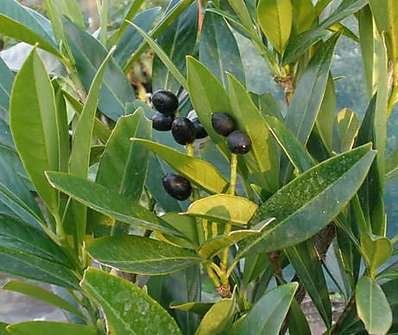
49, 328
218, 49
275, 18
128, 309
268, 314
224, 208
309, 202
372, 306
141, 255
89, 54
41, 294
107, 202
36, 125
200, 172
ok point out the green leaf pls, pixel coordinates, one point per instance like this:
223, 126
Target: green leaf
142, 255
218, 318
200, 172
89, 54
41, 294
24, 24
107, 202
366, 35
275, 18
29, 253
128, 309
347, 125
376, 251
301, 43
304, 16
268, 314
177, 41
49, 328
131, 39
200, 308
224, 208
372, 306
309, 202
163, 56
262, 158
6, 80
184, 224
32, 87
218, 49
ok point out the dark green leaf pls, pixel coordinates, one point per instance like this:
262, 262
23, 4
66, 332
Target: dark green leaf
6, 80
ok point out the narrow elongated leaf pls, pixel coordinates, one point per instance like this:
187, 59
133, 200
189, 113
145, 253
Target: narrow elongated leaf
200, 172
347, 127
267, 315
35, 129
41, 294
24, 24
200, 308
276, 18
107, 202
224, 208
366, 35
141, 255
128, 309
89, 54
262, 158
304, 16
177, 41
218, 49
372, 306
308, 203
6, 80
49, 328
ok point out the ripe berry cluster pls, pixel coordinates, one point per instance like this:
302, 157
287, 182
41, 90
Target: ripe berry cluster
185, 131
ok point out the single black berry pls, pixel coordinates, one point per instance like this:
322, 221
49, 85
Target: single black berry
177, 186
183, 130
239, 143
223, 123
162, 122
200, 130
165, 102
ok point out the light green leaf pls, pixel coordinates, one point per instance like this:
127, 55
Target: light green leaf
35, 129
142, 255
224, 208
184, 224
41, 294
200, 308
309, 202
268, 314
372, 306
376, 251
128, 309
275, 18
218, 318
347, 125
200, 172
49, 328
107, 202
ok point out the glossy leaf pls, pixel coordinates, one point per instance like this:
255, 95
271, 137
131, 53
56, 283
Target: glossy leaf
218, 49
376, 251
49, 328
275, 18
36, 125
224, 208
27, 25
141, 255
218, 318
41, 294
309, 202
128, 309
262, 158
200, 172
268, 314
372, 306
107, 202
177, 41
89, 54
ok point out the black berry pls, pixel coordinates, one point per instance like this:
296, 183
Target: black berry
200, 130
183, 130
222, 123
165, 102
177, 186
162, 122
239, 143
